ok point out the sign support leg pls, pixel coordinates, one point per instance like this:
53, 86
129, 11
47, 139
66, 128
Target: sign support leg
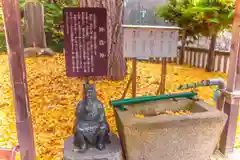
127, 87
85, 81
134, 77
132, 80
161, 88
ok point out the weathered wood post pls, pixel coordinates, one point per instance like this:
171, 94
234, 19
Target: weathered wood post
11, 14
232, 94
34, 25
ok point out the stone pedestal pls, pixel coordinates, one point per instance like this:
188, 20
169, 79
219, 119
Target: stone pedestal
113, 151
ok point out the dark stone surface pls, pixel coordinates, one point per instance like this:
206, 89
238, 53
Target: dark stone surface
91, 127
113, 151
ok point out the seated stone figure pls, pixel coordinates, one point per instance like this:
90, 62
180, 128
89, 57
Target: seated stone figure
91, 126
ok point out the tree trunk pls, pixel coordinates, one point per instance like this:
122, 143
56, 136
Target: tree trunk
181, 54
211, 54
116, 61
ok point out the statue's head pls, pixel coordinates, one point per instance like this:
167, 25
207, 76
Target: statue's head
90, 96
89, 91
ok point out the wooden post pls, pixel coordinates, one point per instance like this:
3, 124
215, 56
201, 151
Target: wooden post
132, 79
34, 25
127, 87
161, 88
11, 14
85, 81
232, 94
134, 76
163, 76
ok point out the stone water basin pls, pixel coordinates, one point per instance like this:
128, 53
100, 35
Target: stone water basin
158, 136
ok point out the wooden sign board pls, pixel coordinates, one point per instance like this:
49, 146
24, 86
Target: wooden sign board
85, 41
150, 41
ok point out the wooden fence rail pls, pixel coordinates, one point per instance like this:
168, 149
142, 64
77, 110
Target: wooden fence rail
197, 57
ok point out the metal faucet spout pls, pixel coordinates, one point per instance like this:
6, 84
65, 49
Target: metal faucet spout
219, 97
216, 82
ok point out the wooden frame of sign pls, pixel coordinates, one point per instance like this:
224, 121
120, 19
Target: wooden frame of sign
141, 41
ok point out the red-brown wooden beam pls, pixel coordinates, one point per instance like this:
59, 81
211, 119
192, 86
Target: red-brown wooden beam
134, 77
11, 13
232, 95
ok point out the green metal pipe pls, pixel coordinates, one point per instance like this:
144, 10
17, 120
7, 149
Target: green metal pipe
120, 103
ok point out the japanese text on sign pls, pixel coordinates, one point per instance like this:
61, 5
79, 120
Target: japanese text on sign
145, 42
85, 41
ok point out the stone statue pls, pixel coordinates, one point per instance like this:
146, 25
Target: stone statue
91, 127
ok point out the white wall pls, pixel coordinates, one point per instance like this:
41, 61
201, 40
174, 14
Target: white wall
133, 7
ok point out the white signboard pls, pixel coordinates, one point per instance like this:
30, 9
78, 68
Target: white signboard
150, 41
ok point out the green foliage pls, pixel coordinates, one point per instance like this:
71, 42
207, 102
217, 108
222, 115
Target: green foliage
53, 15
199, 17
204, 17
214, 15
54, 20
3, 46
176, 12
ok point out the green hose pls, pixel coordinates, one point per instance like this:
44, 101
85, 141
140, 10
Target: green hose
120, 103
